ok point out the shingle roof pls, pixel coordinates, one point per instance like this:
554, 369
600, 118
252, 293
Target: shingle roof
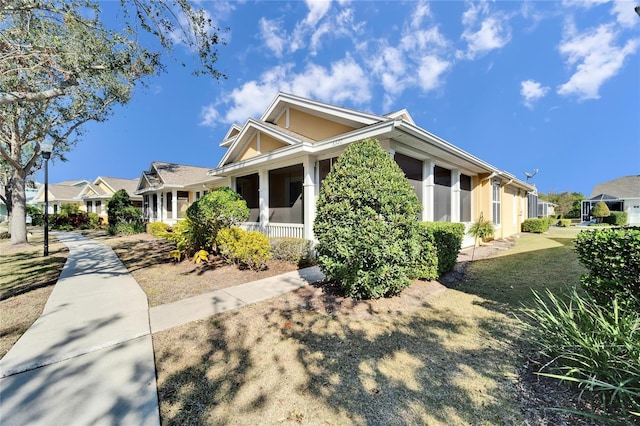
129, 185
65, 192
624, 187
177, 174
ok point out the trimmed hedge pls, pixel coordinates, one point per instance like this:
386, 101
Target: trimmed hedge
612, 257
294, 250
537, 226
447, 238
564, 223
616, 218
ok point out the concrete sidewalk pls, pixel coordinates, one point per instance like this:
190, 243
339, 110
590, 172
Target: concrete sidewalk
88, 359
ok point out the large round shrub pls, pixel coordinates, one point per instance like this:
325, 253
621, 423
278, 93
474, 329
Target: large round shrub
367, 224
123, 217
221, 208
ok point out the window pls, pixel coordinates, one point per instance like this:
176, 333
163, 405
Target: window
442, 194
170, 204
412, 169
183, 203
248, 187
285, 194
98, 207
465, 198
197, 195
532, 211
89, 206
495, 202
325, 167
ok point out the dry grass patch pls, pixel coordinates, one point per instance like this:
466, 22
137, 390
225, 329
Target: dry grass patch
311, 357
26, 281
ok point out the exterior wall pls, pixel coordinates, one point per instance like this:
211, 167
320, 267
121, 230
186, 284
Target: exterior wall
268, 144
260, 144
251, 151
313, 127
104, 187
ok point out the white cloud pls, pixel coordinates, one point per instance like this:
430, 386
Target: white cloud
344, 81
271, 33
317, 10
209, 116
596, 58
532, 91
492, 34
429, 73
625, 15
421, 11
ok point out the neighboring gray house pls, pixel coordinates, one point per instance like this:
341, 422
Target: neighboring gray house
622, 194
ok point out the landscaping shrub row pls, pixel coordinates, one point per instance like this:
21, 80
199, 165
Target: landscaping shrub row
616, 218
537, 226
612, 258
447, 238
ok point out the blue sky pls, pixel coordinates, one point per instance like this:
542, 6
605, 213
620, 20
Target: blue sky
522, 85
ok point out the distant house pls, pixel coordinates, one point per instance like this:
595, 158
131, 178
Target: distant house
66, 192
278, 162
546, 209
89, 197
621, 194
97, 194
167, 189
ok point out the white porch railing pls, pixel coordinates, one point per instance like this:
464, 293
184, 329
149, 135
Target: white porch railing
276, 230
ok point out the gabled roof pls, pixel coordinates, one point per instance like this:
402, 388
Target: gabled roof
336, 113
286, 136
79, 182
623, 187
65, 192
162, 174
116, 184
231, 135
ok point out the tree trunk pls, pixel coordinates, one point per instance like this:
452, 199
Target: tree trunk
17, 220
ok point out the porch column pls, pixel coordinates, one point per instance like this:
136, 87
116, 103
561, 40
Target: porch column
427, 190
263, 193
455, 195
174, 204
163, 207
309, 196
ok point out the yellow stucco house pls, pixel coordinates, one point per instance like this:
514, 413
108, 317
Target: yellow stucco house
278, 162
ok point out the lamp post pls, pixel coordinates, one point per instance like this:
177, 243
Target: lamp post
46, 154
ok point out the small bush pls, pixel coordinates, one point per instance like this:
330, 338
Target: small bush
37, 216
612, 258
94, 221
447, 239
126, 228
158, 229
482, 229
616, 218
69, 222
5, 235
181, 235
600, 211
564, 223
294, 250
123, 217
537, 226
246, 249
595, 346
221, 208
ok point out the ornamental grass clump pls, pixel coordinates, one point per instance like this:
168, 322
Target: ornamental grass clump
594, 346
367, 224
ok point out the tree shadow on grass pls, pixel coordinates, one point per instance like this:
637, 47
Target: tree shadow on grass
295, 363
